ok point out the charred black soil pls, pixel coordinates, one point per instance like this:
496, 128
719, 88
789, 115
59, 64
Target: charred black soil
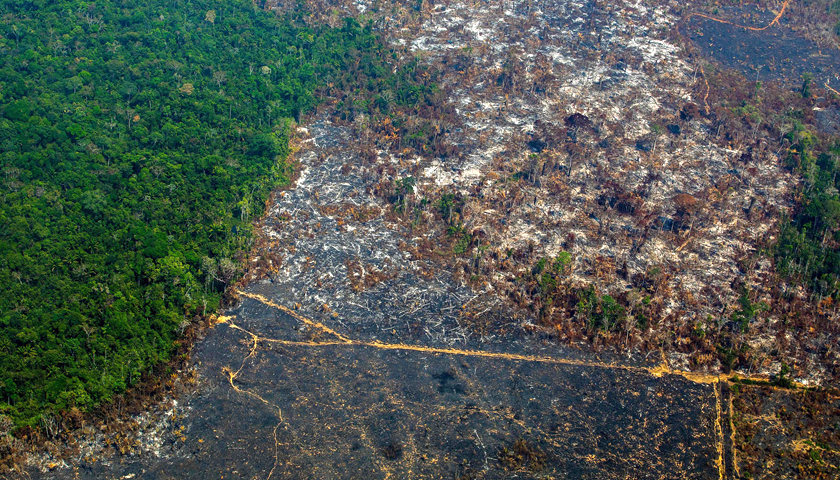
775, 53
320, 409
787, 434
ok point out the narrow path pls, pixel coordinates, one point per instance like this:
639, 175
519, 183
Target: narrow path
659, 371
725, 462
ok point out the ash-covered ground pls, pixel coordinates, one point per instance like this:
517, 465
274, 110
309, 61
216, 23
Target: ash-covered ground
584, 128
779, 53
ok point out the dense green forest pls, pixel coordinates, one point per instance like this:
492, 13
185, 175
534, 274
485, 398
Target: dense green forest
136, 142
808, 243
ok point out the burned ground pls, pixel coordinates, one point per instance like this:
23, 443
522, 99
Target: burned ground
778, 53
592, 130
787, 434
326, 410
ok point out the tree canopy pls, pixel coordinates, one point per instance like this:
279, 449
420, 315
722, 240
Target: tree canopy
136, 142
